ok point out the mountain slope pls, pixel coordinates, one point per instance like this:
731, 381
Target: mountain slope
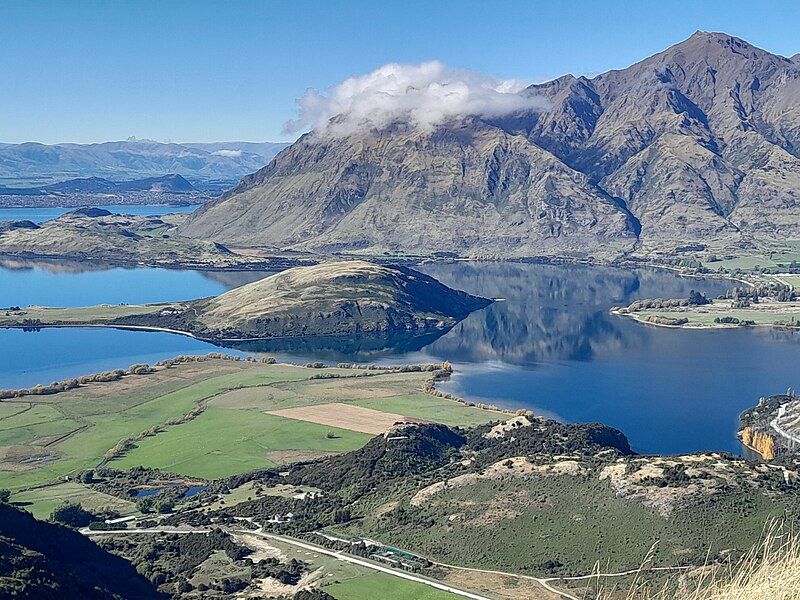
470, 188
699, 142
40, 560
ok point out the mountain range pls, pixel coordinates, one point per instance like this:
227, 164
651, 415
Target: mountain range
699, 142
32, 163
175, 184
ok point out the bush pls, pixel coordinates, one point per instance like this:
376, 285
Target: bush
698, 299
72, 515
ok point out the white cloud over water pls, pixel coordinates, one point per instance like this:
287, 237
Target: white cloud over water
423, 95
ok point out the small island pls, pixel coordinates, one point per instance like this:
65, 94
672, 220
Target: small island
770, 305
330, 299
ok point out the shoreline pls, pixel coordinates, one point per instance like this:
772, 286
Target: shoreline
276, 263
154, 329
283, 262
699, 326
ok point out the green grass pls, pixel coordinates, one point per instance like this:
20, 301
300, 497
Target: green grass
699, 318
519, 525
232, 435
42, 501
223, 442
393, 393
776, 256
382, 585
113, 417
83, 314
42, 421
246, 492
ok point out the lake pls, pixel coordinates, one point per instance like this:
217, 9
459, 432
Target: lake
37, 215
550, 345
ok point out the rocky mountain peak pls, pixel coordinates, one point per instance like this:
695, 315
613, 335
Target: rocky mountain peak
697, 142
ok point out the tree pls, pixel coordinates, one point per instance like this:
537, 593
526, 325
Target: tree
342, 515
4, 496
72, 514
697, 298
145, 504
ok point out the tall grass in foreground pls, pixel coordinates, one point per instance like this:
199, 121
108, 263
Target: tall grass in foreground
770, 571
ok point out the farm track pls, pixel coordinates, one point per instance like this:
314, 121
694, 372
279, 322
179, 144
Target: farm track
16, 414
66, 436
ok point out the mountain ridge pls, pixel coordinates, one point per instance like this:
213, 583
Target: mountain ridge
167, 183
700, 141
32, 162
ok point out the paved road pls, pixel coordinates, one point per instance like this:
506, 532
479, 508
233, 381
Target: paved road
545, 582
368, 564
307, 546
781, 431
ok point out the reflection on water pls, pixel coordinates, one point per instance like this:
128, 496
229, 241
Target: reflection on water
552, 312
550, 344
366, 348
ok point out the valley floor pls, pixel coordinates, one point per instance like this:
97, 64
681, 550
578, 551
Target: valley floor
501, 506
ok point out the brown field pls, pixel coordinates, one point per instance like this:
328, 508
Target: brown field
344, 416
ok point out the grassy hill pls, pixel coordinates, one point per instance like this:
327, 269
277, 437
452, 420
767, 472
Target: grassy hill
330, 299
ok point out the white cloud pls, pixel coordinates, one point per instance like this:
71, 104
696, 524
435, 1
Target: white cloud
228, 153
423, 95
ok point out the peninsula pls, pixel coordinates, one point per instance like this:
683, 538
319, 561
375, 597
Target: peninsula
330, 299
771, 305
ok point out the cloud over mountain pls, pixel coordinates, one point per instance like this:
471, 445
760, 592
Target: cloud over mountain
423, 95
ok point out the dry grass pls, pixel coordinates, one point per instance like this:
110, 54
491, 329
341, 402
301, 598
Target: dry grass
344, 416
770, 571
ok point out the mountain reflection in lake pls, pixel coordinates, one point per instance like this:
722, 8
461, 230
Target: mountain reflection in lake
550, 345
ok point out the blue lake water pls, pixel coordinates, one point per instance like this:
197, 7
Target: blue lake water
37, 215
551, 345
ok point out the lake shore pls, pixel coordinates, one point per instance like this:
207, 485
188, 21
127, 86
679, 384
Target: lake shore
717, 314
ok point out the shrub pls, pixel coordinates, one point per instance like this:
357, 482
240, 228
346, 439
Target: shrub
72, 515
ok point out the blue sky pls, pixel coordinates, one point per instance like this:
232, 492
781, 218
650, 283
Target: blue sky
208, 71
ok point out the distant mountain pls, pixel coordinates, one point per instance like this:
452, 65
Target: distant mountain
175, 184
699, 142
236, 149
43, 560
134, 159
